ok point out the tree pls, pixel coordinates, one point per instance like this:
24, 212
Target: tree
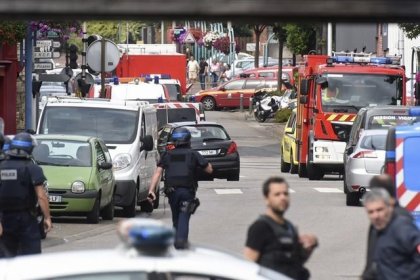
299, 38
412, 30
280, 34
258, 30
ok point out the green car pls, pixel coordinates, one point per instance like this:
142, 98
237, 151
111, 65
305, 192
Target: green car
79, 174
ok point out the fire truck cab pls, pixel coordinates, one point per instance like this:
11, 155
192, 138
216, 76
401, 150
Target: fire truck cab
331, 92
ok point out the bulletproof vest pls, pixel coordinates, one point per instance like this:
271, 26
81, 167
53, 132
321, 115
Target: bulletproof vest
283, 254
181, 168
16, 190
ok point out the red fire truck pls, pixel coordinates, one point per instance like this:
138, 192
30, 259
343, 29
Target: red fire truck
139, 65
331, 92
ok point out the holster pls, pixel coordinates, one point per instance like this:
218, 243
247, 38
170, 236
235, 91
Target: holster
194, 205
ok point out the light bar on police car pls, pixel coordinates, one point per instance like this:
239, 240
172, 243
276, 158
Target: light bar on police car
146, 234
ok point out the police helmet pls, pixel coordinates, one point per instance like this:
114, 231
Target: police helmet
21, 145
181, 136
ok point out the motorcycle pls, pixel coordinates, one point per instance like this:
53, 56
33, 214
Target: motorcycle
266, 106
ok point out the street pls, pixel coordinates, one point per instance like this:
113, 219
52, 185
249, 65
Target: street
228, 208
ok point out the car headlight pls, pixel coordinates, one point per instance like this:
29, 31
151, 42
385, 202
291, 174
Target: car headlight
78, 187
121, 161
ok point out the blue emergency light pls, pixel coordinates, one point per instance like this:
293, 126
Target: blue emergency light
343, 59
351, 59
151, 236
156, 79
381, 60
116, 80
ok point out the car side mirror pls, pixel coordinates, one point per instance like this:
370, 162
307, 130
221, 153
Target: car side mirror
349, 150
147, 143
105, 165
304, 87
342, 135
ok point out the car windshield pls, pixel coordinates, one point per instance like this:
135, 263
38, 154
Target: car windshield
172, 115
378, 122
116, 126
373, 142
207, 133
62, 153
350, 92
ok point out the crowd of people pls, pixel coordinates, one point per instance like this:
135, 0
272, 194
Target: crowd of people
208, 75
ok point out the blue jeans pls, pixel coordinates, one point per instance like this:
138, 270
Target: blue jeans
203, 81
21, 234
180, 213
215, 79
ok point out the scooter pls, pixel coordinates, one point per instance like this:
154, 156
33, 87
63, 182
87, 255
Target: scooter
266, 107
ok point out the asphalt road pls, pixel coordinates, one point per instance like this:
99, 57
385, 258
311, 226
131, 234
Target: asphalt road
228, 208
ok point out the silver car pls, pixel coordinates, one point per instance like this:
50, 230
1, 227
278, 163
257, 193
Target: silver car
363, 162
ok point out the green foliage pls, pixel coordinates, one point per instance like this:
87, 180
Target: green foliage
283, 115
298, 38
242, 31
116, 31
412, 30
12, 31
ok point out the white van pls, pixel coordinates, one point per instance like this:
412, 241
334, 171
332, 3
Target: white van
129, 130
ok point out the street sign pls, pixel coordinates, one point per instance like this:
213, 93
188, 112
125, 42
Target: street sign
52, 34
43, 54
43, 66
56, 44
56, 54
54, 77
94, 55
189, 39
44, 43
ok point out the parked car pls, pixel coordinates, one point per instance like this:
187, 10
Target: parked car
213, 142
80, 177
289, 146
146, 252
364, 161
229, 93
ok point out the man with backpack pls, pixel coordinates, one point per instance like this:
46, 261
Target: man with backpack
273, 241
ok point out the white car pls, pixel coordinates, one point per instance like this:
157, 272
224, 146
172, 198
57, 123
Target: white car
147, 253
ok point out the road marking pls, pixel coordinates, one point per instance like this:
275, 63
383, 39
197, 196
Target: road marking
228, 191
328, 190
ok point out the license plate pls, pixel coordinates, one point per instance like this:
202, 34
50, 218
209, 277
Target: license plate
54, 198
208, 152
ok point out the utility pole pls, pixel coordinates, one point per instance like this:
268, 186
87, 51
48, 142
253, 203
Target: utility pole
28, 78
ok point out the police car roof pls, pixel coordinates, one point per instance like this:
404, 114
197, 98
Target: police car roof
370, 132
178, 124
193, 261
385, 110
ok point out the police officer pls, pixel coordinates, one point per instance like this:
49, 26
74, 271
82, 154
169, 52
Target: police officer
20, 189
180, 166
273, 241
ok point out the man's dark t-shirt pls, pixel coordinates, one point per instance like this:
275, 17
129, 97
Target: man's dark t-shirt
203, 66
261, 237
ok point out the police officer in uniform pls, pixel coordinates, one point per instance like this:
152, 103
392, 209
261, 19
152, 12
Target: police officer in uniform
20, 189
273, 241
180, 165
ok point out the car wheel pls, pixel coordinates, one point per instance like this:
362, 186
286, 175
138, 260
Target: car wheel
352, 199
302, 170
209, 103
234, 177
260, 117
284, 166
108, 211
130, 210
93, 216
345, 190
156, 202
293, 167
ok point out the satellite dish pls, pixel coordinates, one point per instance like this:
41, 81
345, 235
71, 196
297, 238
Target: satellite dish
112, 56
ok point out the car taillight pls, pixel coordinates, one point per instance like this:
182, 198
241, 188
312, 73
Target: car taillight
170, 147
232, 148
365, 154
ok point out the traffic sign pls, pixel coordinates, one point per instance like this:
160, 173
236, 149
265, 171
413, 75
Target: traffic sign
56, 54
62, 77
43, 66
43, 54
56, 44
44, 43
52, 34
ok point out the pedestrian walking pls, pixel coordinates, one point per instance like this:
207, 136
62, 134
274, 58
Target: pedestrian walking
193, 69
273, 241
22, 186
203, 72
397, 250
383, 181
215, 72
180, 165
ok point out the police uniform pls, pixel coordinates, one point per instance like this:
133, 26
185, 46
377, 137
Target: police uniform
19, 176
180, 165
279, 247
